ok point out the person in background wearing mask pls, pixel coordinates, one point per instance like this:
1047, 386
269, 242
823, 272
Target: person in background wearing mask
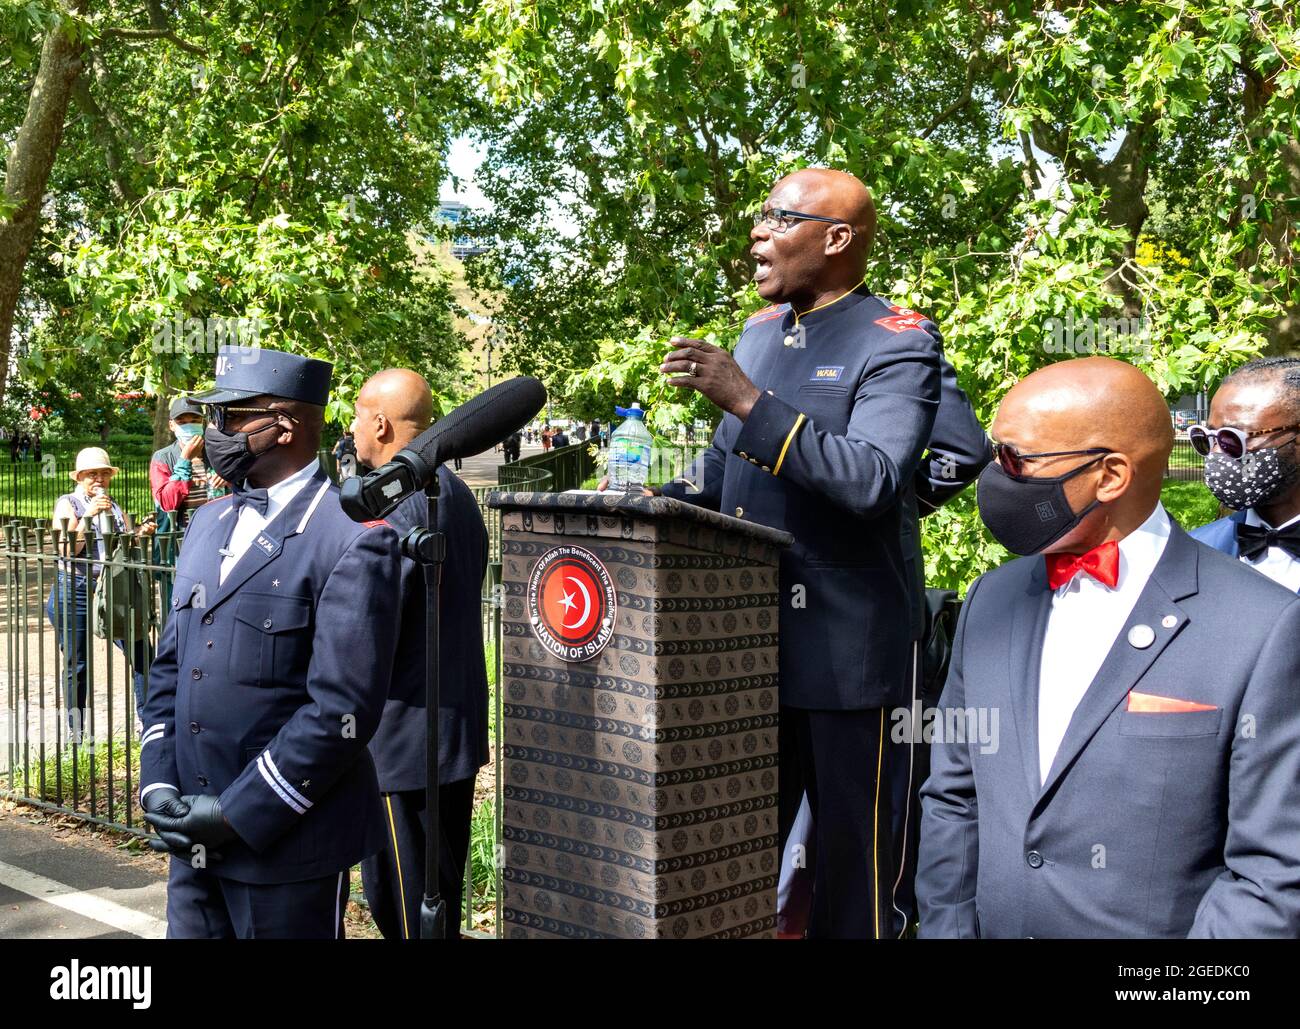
74, 586
271, 675
1252, 464
179, 479
1140, 780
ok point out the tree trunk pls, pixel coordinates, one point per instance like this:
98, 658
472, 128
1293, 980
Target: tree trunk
1124, 177
161, 405
1279, 231
29, 165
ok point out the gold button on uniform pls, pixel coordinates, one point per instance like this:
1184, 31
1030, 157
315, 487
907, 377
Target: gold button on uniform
766, 468
788, 341
740, 512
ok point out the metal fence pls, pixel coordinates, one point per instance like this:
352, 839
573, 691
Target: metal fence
1185, 464
28, 489
69, 731
69, 735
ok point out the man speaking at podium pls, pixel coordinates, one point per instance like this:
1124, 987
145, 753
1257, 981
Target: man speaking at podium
828, 405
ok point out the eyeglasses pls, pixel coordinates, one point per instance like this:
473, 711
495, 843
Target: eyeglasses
1013, 462
220, 414
778, 219
1232, 441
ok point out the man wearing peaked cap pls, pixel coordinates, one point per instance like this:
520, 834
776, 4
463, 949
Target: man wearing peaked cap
271, 674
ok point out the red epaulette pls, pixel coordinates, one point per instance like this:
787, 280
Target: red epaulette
766, 314
902, 320
371, 525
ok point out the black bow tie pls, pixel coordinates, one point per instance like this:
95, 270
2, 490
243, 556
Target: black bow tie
1253, 540
257, 499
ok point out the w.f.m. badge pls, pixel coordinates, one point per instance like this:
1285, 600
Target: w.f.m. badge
572, 603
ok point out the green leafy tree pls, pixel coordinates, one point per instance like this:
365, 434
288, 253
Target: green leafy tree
264, 173
1052, 180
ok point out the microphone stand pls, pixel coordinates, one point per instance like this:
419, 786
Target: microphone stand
428, 548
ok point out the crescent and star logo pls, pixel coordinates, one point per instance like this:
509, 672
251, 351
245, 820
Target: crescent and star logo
572, 603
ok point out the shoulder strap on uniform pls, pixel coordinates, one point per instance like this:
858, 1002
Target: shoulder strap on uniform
311, 508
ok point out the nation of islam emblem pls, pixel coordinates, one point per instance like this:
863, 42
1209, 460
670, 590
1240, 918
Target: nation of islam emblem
572, 603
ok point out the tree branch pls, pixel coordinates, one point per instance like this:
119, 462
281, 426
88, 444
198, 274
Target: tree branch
137, 35
107, 140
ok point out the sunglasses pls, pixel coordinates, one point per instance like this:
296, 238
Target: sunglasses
1013, 462
220, 413
1232, 441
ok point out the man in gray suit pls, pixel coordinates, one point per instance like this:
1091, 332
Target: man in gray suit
1118, 747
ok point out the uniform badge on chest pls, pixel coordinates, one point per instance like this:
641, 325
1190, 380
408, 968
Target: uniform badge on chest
827, 373
267, 546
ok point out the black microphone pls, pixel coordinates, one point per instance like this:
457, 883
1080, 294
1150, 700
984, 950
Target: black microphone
478, 424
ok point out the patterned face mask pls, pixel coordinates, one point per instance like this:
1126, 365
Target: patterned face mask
1256, 478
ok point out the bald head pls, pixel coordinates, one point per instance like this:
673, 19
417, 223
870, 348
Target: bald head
835, 194
810, 259
393, 407
1092, 402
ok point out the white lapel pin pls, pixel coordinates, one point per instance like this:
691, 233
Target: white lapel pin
1141, 636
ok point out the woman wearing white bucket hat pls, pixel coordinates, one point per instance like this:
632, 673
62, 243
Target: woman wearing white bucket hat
69, 598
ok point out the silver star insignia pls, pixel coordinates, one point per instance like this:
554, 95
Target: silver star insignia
275, 582
306, 783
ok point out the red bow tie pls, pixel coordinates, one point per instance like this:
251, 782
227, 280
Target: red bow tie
1102, 563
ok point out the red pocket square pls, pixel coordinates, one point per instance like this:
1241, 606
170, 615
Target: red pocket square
1149, 704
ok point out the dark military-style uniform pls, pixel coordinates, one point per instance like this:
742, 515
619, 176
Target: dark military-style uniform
394, 878
958, 451
828, 452
265, 691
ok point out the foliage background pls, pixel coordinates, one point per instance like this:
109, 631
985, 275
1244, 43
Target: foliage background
282, 162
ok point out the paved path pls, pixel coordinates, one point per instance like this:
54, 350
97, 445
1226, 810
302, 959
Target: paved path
54, 885
481, 470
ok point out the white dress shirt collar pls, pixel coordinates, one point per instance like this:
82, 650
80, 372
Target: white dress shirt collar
1139, 552
279, 495
1085, 619
249, 523
1275, 562
1253, 518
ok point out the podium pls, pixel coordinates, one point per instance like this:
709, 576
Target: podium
639, 732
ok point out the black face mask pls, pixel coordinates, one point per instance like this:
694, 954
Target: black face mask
1028, 515
229, 454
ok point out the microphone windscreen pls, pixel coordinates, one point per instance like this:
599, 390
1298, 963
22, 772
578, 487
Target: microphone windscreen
482, 421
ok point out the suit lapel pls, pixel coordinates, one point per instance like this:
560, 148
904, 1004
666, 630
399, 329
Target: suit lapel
206, 569
269, 541
1173, 578
1028, 627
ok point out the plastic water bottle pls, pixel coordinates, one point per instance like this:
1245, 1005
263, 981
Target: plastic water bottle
629, 450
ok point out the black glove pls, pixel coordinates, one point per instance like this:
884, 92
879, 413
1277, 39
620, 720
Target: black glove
167, 802
202, 822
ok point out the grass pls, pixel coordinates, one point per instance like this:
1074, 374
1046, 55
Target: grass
1189, 503
65, 777
483, 856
